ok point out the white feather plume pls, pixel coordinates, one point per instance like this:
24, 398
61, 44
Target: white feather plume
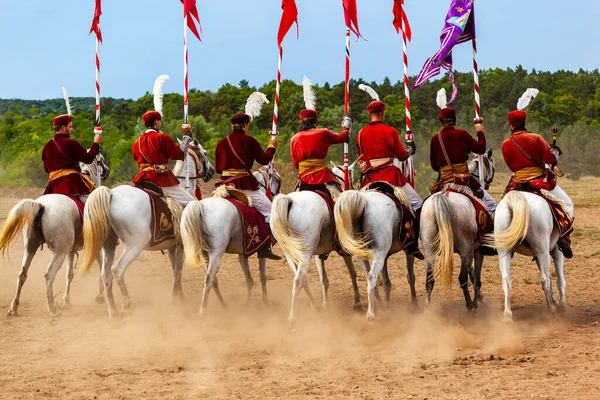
67, 101
369, 90
157, 91
441, 99
526, 98
310, 98
254, 104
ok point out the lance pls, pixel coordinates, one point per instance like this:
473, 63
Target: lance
408, 169
346, 105
476, 92
186, 126
98, 129
275, 116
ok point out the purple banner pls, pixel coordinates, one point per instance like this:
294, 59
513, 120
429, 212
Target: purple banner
459, 27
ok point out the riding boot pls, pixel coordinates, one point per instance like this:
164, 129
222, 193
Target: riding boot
564, 245
412, 247
265, 252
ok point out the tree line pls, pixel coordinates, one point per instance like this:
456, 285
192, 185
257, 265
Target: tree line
568, 99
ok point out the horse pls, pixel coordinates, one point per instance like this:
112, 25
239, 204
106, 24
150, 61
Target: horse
524, 224
449, 225
53, 219
368, 225
196, 162
303, 226
124, 213
262, 175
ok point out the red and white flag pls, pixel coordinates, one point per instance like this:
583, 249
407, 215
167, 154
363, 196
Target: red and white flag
351, 17
190, 10
288, 18
399, 17
96, 21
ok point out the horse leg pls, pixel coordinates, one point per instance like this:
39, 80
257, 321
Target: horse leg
249, 281
209, 280
387, 284
27, 257
561, 284
357, 304
69, 279
504, 263
410, 277
176, 258
429, 280
299, 283
100, 295
262, 269
50, 275
130, 253
543, 263
323, 277
463, 278
367, 268
376, 267
476, 279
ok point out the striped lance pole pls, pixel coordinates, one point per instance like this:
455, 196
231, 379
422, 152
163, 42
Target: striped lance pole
346, 106
409, 170
185, 97
477, 100
98, 129
275, 115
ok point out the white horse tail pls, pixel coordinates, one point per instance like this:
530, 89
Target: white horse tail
349, 207
289, 239
444, 243
192, 237
510, 238
21, 215
96, 225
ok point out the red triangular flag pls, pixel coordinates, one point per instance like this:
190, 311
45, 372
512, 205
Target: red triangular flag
399, 16
190, 10
96, 21
350, 16
289, 16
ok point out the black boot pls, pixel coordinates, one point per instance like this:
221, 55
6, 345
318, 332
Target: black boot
566, 250
413, 250
265, 252
488, 251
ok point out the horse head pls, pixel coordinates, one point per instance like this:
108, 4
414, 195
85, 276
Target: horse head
262, 176
489, 167
205, 170
338, 173
90, 170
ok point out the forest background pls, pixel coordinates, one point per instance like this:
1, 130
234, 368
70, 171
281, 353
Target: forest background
570, 100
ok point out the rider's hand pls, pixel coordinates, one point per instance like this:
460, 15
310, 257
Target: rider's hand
556, 151
98, 139
347, 122
479, 124
412, 145
273, 142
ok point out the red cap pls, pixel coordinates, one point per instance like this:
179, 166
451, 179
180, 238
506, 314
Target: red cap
240, 119
309, 113
448, 113
517, 117
151, 116
62, 120
376, 106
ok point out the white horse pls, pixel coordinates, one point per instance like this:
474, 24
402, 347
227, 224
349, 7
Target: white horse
449, 225
52, 219
304, 228
125, 213
197, 162
262, 176
524, 224
368, 225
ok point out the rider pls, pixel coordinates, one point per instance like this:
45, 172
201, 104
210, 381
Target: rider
531, 159
309, 148
61, 157
234, 157
378, 144
457, 145
152, 152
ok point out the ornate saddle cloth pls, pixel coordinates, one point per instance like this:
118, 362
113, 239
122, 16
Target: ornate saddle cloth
407, 233
255, 232
162, 223
80, 205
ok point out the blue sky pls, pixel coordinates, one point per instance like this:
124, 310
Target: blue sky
45, 44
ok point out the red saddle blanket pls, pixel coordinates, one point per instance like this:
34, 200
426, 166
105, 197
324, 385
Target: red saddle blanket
255, 231
407, 228
80, 206
485, 222
161, 221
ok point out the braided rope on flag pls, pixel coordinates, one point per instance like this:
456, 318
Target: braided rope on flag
275, 115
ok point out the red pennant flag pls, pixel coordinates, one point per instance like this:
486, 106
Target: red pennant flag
399, 16
289, 16
190, 10
96, 21
350, 16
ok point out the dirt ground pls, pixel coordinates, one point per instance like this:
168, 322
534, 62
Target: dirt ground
248, 350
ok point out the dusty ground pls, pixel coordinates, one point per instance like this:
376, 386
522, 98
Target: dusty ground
248, 351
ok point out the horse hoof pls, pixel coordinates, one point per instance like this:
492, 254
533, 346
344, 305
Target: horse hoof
508, 318
66, 305
12, 312
55, 313
99, 299
561, 309
358, 307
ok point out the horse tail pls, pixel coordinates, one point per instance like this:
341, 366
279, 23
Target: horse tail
517, 205
444, 242
96, 225
192, 237
289, 239
21, 215
349, 208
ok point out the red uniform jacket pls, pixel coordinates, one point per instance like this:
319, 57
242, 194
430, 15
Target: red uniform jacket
377, 140
248, 150
64, 153
458, 143
534, 145
155, 148
314, 143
